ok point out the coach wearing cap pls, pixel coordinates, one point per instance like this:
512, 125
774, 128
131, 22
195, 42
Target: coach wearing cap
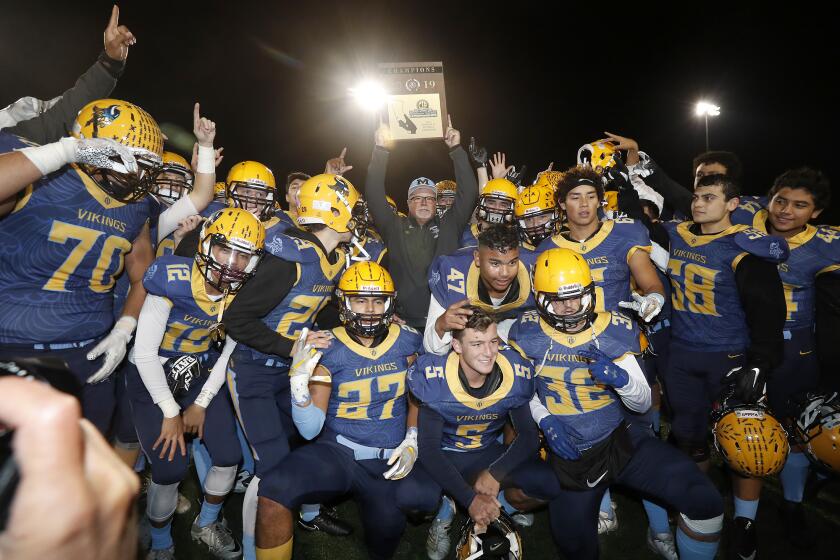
414, 240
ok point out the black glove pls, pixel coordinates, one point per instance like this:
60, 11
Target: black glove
478, 154
749, 383
516, 177
618, 176
408, 124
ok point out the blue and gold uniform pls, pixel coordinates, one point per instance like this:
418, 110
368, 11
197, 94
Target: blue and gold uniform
63, 247
710, 334
608, 254
287, 218
192, 315
455, 277
563, 381
261, 380
365, 420
813, 252
469, 238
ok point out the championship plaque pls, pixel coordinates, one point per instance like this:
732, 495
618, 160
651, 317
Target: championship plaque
416, 99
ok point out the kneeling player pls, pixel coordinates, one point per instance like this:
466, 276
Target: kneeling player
588, 366
356, 401
169, 372
467, 398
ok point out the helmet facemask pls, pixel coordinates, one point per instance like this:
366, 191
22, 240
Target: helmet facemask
171, 183
220, 261
368, 325
572, 323
445, 200
499, 213
244, 195
534, 234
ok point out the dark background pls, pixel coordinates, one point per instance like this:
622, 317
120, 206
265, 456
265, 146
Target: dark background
534, 80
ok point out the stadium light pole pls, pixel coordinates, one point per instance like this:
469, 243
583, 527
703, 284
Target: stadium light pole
705, 109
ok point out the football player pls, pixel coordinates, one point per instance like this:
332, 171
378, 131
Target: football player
356, 405
494, 276
588, 366
294, 282
171, 388
293, 182
727, 323
536, 214
69, 235
467, 397
445, 195
796, 198
495, 206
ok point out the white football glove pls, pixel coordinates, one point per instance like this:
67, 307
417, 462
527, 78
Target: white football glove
304, 360
104, 153
113, 346
647, 307
405, 455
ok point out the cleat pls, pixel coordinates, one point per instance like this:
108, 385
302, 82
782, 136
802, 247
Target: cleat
663, 545
742, 540
218, 539
327, 523
243, 479
799, 531
607, 524
438, 542
161, 554
522, 519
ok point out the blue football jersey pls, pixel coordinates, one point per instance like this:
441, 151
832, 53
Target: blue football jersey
608, 254
286, 218
374, 250
564, 384
455, 277
316, 280
814, 251
470, 423
747, 209
470, 236
368, 404
707, 314
193, 313
61, 249
167, 244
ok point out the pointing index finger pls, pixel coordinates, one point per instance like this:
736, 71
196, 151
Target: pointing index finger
115, 17
343, 152
196, 113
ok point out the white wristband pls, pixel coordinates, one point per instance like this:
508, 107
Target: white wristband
204, 397
51, 157
206, 160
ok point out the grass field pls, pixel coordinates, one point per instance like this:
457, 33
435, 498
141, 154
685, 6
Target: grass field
628, 542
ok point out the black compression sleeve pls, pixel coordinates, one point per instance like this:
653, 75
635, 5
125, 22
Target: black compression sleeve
433, 459
525, 444
258, 296
763, 300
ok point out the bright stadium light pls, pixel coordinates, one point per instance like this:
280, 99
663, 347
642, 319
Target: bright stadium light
705, 109
370, 95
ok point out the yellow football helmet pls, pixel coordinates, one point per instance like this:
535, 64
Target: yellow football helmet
132, 127
370, 280
329, 200
750, 440
537, 213
220, 192
251, 185
597, 155
230, 247
173, 179
548, 179
445, 195
496, 201
393, 204
817, 428
559, 275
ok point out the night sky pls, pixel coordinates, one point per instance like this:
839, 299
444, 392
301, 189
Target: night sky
531, 80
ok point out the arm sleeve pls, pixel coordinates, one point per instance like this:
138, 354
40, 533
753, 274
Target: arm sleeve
257, 297
827, 327
431, 342
151, 327
169, 219
217, 376
763, 300
524, 445
466, 196
433, 459
385, 218
636, 394
56, 122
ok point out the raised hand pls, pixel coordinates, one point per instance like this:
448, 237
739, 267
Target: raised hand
451, 136
382, 136
498, 169
515, 176
117, 38
454, 318
194, 161
478, 154
203, 128
647, 306
337, 165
